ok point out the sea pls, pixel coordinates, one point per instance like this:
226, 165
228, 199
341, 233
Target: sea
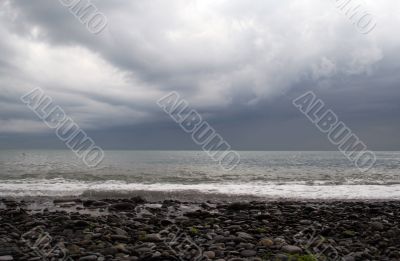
265, 174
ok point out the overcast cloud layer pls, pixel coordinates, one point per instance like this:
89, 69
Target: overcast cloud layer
239, 63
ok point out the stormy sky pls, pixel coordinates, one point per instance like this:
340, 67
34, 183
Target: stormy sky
238, 63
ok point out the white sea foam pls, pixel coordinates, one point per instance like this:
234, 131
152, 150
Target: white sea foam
59, 187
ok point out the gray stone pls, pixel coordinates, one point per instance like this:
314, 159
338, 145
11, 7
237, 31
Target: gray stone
209, 254
153, 238
120, 232
88, 258
120, 238
377, 226
244, 235
348, 258
248, 253
279, 241
6, 258
292, 249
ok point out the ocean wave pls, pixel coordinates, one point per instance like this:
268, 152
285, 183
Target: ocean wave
296, 190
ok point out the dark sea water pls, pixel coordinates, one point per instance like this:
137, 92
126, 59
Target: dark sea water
300, 175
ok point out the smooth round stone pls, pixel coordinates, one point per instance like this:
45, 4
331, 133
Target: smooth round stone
248, 253
209, 254
266, 242
88, 258
378, 226
292, 249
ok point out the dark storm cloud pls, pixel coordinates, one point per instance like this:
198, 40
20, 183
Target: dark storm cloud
239, 63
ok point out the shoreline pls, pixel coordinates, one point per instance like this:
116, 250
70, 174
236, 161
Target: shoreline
159, 191
194, 196
139, 228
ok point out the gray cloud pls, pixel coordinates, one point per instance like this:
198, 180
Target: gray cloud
238, 63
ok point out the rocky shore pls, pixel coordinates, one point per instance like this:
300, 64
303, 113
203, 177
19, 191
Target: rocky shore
133, 229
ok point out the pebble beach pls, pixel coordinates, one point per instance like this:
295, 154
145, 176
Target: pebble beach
138, 229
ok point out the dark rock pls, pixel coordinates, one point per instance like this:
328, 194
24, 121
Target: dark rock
81, 224
199, 214
138, 200
123, 206
239, 206
160, 258
166, 222
99, 204
109, 251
